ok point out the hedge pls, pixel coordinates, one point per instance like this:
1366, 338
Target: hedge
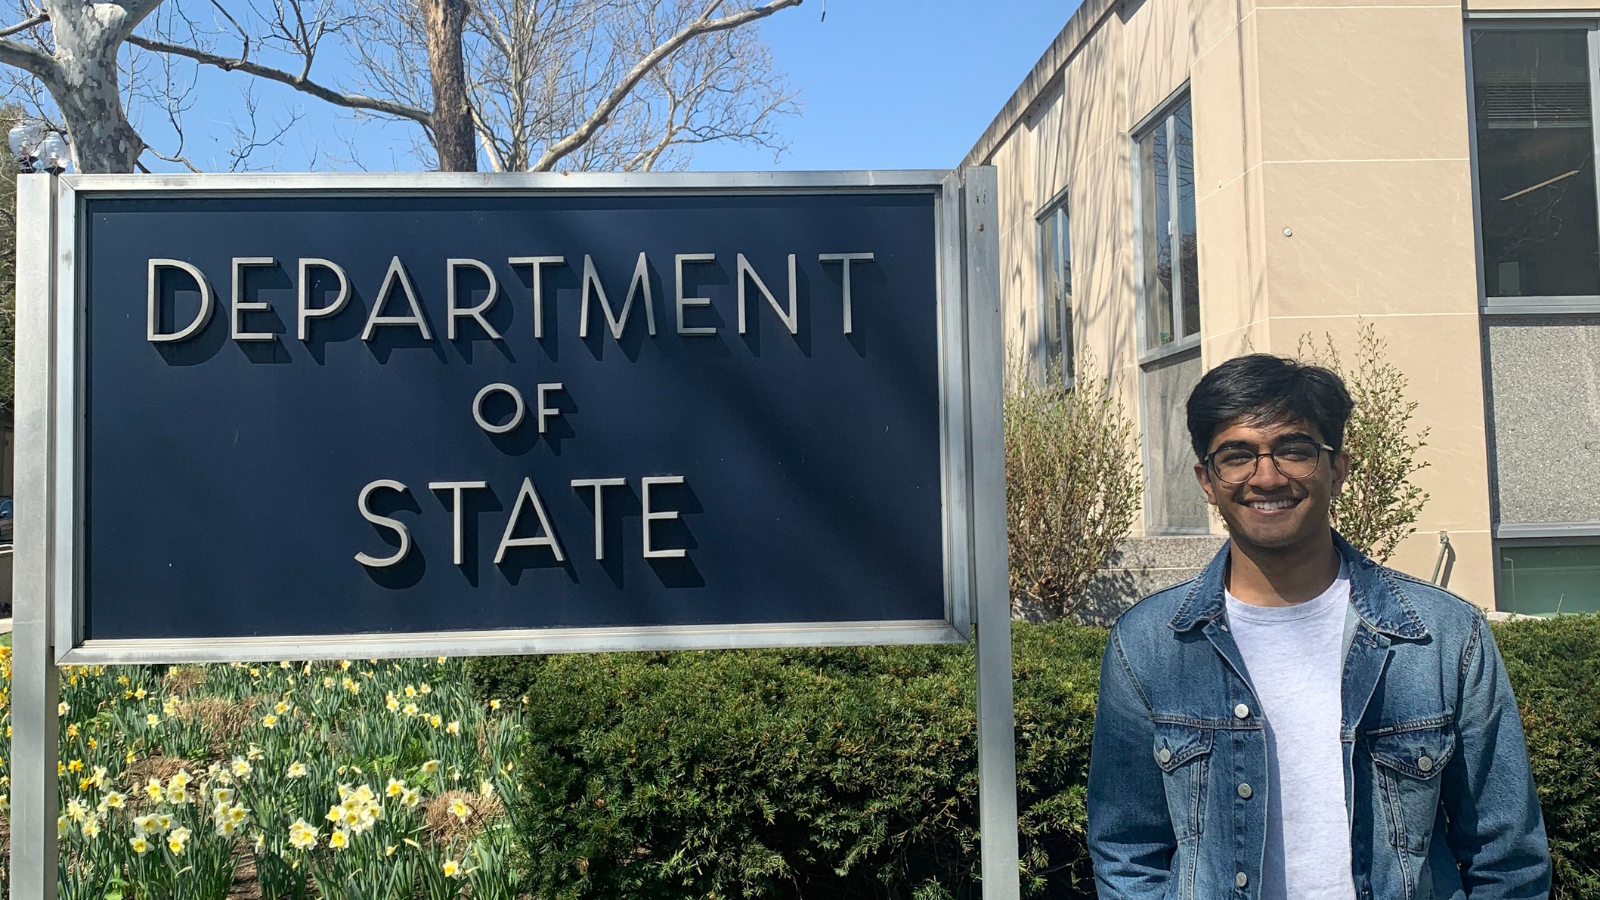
853, 772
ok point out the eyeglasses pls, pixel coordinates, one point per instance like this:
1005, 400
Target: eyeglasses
1295, 459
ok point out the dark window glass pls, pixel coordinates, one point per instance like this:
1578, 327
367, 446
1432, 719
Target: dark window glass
1156, 223
1055, 254
1188, 238
1542, 581
1535, 150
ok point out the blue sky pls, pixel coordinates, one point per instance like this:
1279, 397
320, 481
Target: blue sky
883, 84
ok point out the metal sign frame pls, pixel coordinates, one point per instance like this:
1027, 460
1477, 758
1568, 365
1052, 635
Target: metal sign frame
49, 470
959, 494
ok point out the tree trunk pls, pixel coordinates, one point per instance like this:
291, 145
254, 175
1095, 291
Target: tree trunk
453, 136
84, 85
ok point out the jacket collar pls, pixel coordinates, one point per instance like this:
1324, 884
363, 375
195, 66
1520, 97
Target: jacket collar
1375, 597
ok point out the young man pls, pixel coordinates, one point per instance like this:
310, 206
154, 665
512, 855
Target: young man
1299, 722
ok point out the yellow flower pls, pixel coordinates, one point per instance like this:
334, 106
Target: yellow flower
72, 731
396, 787
63, 708
459, 809
339, 840
411, 691
344, 665
389, 850
283, 664
254, 753
221, 796
75, 765
140, 693
390, 702
297, 770
328, 681
170, 706
453, 728
441, 660
485, 788
177, 839
177, 794
281, 708
61, 828
269, 721
434, 720
430, 767
61, 768
182, 779
494, 704
90, 827
255, 672
410, 709
411, 797
115, 800
451, 869
85, 783
139, 844
152, 720
302, 835
241, 767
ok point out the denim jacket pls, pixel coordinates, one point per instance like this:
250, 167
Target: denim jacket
1438, 791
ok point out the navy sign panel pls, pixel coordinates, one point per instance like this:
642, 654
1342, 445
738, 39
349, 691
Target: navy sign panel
379, 413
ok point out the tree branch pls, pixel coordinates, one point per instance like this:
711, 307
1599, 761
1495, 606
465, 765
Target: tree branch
25, 24
703, 25
32, 60
298, 82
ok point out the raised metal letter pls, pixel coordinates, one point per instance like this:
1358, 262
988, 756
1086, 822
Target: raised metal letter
154, 302
791, 319
677, 264
240, 306
397, 272
398, 526
845, 259
516, 417
641, 275
537, 262
473, 312
599, 508
455, 488
546, 539
307, 311
648, 516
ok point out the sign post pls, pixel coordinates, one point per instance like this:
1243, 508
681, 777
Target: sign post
306, 416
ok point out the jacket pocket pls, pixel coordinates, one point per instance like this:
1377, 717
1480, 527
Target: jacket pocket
1184, 754
1407, 764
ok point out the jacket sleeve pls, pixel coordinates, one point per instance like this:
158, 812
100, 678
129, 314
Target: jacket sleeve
1495, 831
1131, 840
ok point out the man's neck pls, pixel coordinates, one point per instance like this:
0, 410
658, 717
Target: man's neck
1282, 576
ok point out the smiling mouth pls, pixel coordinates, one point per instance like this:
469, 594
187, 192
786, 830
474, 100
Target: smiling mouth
1272, 505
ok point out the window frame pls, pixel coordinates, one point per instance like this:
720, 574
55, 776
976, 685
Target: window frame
1068, 376
1162, 116
1480, 22
1537, 534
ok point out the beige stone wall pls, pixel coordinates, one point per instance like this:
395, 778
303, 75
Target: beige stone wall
1343, 121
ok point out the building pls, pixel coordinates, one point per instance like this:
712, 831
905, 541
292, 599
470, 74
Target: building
1183, 181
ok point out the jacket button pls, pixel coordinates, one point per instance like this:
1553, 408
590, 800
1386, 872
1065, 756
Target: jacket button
1242, 711
1244, 791
1163, 755
1241, 879
1425, 764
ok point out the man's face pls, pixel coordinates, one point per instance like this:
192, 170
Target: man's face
1269, 509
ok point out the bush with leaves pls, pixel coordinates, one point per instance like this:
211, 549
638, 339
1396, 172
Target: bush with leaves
1072, 489
846, 772
1379, 505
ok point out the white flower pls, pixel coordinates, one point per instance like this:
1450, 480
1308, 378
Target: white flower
297, 770
302, 835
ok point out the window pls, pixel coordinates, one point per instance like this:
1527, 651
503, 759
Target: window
1168, 238
1542, 581
1055, 296
1534, 132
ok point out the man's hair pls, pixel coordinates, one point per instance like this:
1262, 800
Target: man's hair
1262, 389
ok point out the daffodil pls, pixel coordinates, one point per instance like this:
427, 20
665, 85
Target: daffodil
177, 839
390, 702
241, 767
411, 797
302, 835
140, 844
269, 721
485, 788
296, 770
451, 869
339, 840
281, 708
90, 827
153, 789
460, 809
424, 689
389, 850
411, 691
494, 704
152, 720
453, 727
410, 709
62, 827
221, 796
430, 767
435, 720
75, 766
63, 708
395, 788
254, 753
72, 730
115, 800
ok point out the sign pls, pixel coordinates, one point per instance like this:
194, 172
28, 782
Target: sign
405, 415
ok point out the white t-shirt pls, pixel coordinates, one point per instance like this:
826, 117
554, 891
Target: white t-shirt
1294, 657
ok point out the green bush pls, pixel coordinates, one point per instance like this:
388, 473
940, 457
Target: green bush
852, 772
1554, 666
814, 773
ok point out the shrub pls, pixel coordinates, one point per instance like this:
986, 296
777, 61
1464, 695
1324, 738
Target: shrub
1554, 666
1379, 505
782, 774
1072, 488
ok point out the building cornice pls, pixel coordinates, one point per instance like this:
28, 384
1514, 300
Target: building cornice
1044, 74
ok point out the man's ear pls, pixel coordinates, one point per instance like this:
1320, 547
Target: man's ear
1341, 471
1205, 483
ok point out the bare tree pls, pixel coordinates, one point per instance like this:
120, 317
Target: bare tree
542, 84
70, 49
